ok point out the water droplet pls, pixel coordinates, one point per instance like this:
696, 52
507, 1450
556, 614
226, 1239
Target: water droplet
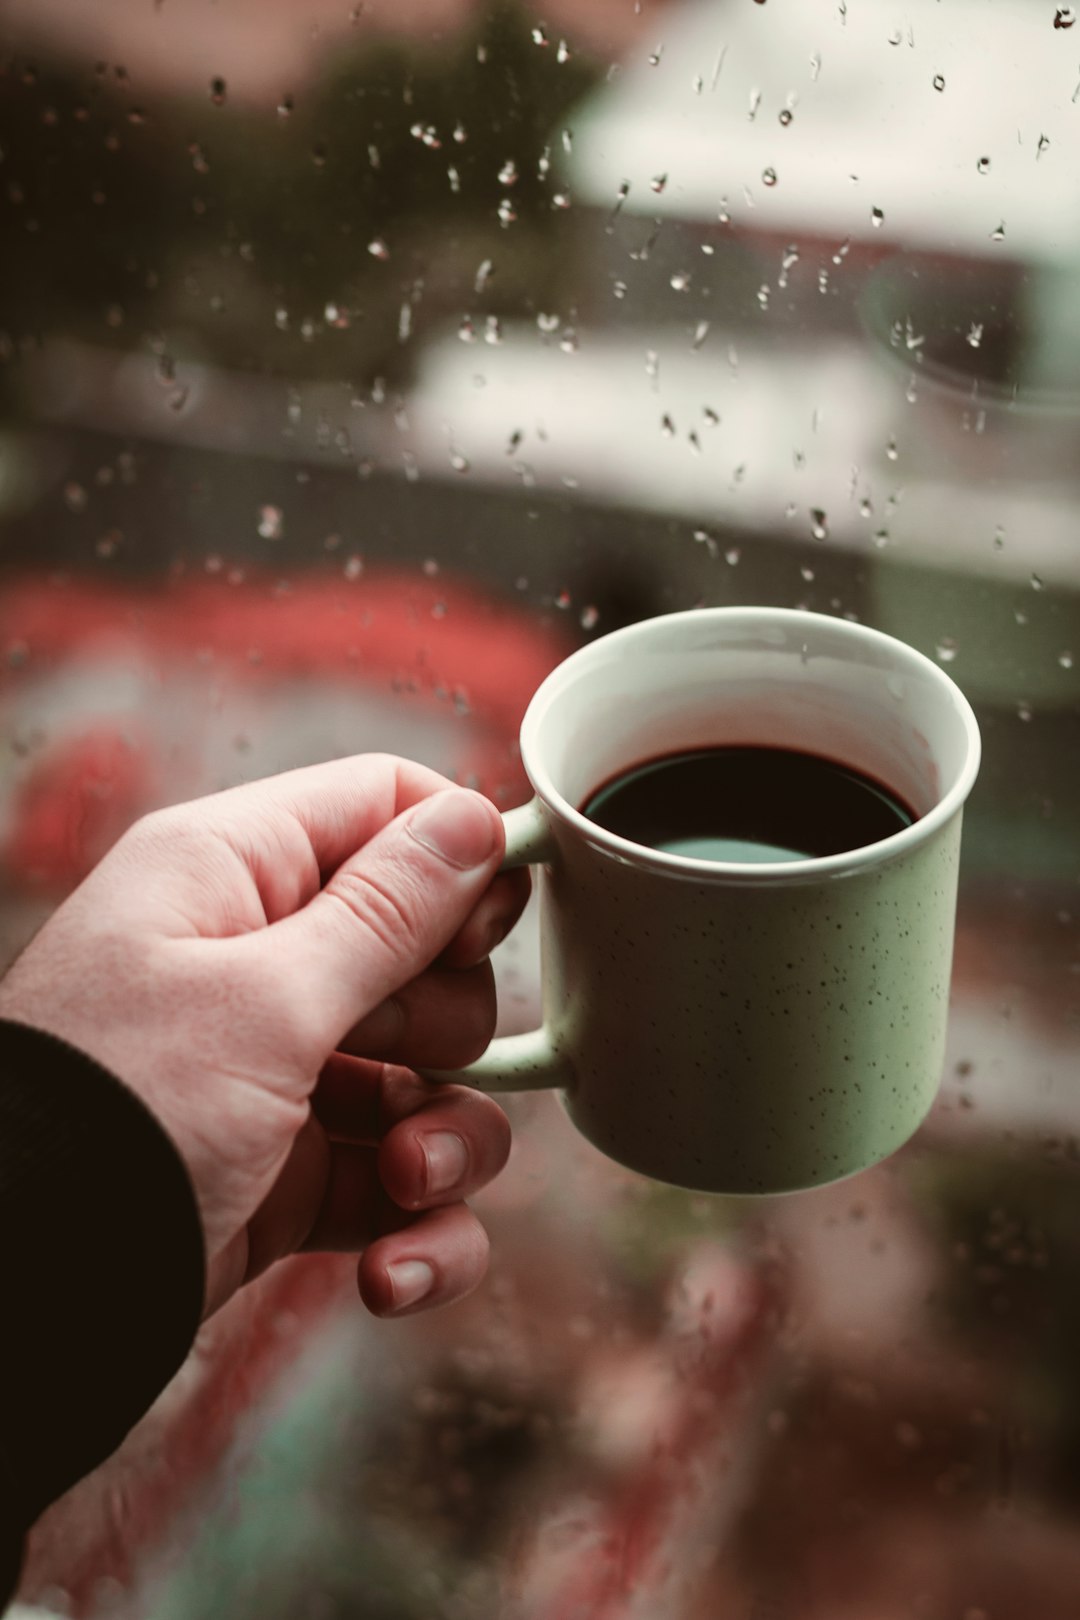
1064, 16
939, 81
763, 295
271, 522
896, 37
460, 135
493, 330
999, 539
877, 218
109, 543
866, 508
1036, 582
1065, 659
563, 600
768, 176
561, 199
508, 174
1023, 710
539, 35
999, 234
563, 53
655, 56
755, 103
459, 462
701, 332
218, 91
506, 212
568, 342
547, 323
711, 416
75, 497
680, 281
658, 182
318, 155
285, 107
378, 248
667, 426
975, 332
786, 115
1044, 142
732, 555
590, 617
946, 650
881, 539
819, 527
983, 165
891, 451
454, 178
807, 574
619, 289
467, 331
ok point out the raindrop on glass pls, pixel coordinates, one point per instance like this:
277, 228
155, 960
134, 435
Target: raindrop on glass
467, 331
999, 234
271, 524
459, 134
819, 526
561, 199
1065, 659
786, 115
667, 426
807, 574
492, 330
732, 555
539, 35
1064, 16
1023, 710
1044, 142
946, 650
285, 107
939, 81
983, 165
877, 218
75, 497
508, 174
1036, 582
680, 281
658, 182
218, 91
378, 249
506, 212
590, 617
701, 332
768, 176
459, 462
655, 56
563, 52
975, 332
891, 451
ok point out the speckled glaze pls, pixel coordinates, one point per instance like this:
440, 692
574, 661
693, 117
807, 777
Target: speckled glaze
733, 1028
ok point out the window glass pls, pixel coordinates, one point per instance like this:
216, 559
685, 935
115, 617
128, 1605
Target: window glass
358, 362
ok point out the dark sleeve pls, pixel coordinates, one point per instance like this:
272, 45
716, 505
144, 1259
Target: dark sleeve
101, 1272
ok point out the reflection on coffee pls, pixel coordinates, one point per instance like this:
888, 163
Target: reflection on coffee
753, 805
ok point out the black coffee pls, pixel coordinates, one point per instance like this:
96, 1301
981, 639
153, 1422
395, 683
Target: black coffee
748, 804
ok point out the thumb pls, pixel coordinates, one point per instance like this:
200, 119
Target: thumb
387, 911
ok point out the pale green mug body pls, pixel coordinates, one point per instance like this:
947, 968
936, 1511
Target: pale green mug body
727, 1027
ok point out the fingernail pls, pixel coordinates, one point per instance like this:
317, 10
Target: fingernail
457, 826
410, 1280
446, 1159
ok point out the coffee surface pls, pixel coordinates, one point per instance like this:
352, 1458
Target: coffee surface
752, 805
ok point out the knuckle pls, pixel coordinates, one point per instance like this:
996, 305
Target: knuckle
387, 913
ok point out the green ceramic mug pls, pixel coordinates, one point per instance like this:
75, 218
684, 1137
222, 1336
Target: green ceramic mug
740, 1028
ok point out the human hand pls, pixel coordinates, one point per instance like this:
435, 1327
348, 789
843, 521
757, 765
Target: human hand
255, 965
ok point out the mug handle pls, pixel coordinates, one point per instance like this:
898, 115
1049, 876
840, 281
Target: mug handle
526, 1062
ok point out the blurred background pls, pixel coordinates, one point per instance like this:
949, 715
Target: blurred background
358, 360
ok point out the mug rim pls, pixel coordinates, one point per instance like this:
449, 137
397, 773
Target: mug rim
766, 874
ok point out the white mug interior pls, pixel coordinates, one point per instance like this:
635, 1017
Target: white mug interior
769, 677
